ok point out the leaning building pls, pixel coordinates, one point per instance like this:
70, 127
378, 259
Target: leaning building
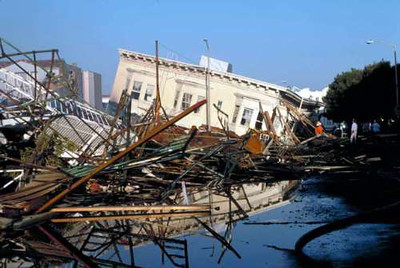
182, 85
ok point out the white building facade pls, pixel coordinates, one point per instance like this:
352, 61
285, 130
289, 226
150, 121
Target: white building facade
182, 85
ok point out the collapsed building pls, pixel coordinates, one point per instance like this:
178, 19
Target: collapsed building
242, 99
66, 162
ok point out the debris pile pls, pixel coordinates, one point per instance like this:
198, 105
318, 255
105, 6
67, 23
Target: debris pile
65, 164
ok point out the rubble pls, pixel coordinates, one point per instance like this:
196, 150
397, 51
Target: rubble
64, 163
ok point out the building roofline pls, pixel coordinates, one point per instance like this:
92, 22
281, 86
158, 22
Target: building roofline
164, 61
123, 53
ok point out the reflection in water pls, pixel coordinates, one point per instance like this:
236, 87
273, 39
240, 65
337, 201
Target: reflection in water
111, 238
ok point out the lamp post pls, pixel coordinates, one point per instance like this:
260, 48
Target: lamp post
393, 46
208, 87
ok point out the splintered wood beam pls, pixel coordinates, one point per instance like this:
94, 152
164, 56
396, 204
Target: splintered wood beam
287, 128
271, 125
121, 103
121, 154
265, 119
268, 122
273, 115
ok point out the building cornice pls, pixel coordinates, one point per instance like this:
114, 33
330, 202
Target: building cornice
187, 67
198, 69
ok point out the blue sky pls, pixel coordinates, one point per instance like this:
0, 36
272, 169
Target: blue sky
305, 43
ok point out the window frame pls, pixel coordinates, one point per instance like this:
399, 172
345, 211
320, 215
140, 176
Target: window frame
178, 91
219, 104
147, 97
186, 103
136, 90
247, 119
259, 121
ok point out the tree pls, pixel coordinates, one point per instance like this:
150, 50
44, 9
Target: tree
335, 97
362, 94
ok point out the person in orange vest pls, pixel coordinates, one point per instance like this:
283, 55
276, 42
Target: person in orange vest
319, 129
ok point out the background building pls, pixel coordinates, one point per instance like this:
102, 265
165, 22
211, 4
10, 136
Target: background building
91, 89
307, 93
87, 84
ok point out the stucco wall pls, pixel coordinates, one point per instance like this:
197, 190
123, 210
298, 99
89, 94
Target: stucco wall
186, 80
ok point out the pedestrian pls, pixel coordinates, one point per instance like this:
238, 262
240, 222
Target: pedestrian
353, 135
366, 128
376, 127
319, 129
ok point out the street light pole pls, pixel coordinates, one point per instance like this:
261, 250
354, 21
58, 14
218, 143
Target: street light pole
208, 122
393, 46
395, 77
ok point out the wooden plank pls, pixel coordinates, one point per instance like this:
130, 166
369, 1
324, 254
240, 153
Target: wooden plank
271, 124
287, 128
34, 187
115, 158
28, 196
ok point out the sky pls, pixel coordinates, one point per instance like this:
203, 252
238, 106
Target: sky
287, 42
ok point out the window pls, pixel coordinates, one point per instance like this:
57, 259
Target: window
235, 113
199, 98
259, 121
177, 94
219, 105
246, 117
128, 81
137, 86
186, 100
149, 92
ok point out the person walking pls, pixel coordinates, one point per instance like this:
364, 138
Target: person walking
353, 135
376, 127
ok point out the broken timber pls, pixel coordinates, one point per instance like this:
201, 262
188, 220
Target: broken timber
150, 135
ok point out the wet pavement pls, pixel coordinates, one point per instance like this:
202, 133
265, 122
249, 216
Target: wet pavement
317, 200
277, 219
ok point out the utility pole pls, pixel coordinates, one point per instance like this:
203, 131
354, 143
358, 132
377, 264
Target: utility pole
395, 76
158, 98
208, 120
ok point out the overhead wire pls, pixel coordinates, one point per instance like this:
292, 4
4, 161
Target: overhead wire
178, 54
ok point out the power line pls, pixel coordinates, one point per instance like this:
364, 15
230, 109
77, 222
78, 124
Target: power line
177, 53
